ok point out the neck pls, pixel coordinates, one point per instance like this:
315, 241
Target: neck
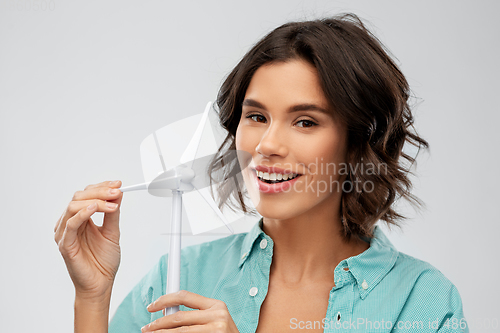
309, 247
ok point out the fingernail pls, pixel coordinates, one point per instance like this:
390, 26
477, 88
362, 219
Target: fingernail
114, 191
145, 327
111, 205
92, 206
114, 182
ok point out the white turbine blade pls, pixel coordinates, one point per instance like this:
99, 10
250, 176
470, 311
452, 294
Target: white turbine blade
205, 193
192, 149
201, 216
218, 131
169, 147
209, 208
200, 211
162, 150
150, 159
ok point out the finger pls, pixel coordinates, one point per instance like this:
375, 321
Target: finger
114, 184
183, 297
103, 206
106, 191
186, 318
57, 229
110, 225
72, 225
191, 329
58, 223
83, 198
103, 192
76, 206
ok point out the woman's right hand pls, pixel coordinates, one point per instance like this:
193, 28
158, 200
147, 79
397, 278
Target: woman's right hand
91, 252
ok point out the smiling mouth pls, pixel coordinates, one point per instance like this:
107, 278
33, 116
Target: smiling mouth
275, 178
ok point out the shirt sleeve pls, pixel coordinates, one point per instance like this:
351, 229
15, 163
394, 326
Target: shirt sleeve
433, 305
132, 314
454, 321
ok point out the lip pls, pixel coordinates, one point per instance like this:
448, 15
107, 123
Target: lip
273, 188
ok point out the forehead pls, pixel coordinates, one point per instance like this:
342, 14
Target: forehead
292, 82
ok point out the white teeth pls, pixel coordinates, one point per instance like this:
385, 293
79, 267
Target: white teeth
275, 176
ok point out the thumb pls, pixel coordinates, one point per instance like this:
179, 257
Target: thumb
110, 226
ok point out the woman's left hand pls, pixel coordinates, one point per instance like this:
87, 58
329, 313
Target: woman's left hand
212, 314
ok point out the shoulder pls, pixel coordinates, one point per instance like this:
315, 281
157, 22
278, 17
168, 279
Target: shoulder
419, 273
406, 272
203, 265
197, 261
228, 248
407, 287
210, 254
424, 290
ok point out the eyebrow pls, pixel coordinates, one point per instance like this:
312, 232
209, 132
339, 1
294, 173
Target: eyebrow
295, 108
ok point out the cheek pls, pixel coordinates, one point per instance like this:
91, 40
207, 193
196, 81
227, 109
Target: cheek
243, 139
237, 142
237, 138
323, 159
335, 153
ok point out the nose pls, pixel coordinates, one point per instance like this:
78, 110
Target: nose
273, 142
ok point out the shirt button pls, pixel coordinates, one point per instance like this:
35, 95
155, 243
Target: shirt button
263, 243
364, 285
253, 291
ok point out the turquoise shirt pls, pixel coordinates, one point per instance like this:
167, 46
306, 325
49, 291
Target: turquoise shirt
379, 290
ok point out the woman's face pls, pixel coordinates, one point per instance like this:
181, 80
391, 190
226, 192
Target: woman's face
286, 124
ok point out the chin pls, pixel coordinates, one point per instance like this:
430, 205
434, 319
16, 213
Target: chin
278, 212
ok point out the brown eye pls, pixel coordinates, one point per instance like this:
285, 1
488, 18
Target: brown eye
306, 123
256, 117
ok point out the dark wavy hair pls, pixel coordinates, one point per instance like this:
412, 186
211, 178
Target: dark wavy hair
366, 91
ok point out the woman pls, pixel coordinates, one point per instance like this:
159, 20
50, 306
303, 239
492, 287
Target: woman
323, 112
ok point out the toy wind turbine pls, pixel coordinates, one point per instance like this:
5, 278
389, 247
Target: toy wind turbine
173, 169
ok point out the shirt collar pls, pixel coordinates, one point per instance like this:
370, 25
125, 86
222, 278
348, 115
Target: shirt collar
249, 239
371, 266
368, 268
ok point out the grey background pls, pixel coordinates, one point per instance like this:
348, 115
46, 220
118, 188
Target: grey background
83, 82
